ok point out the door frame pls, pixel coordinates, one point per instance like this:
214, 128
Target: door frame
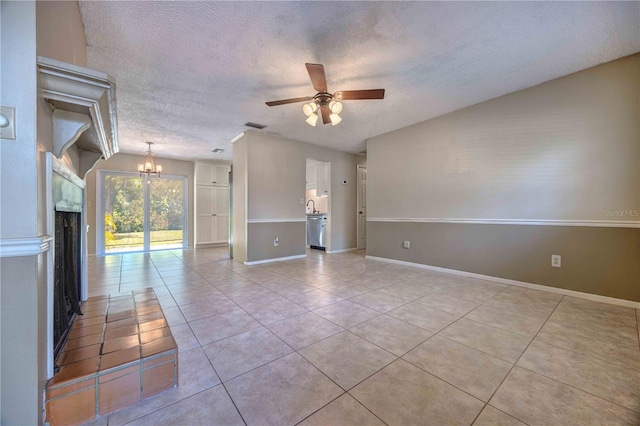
359, 245
100, 246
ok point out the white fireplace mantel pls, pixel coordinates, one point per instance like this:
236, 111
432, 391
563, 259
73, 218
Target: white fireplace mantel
84, 110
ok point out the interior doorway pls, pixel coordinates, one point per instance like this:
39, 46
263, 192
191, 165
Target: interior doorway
361, 207
141, 213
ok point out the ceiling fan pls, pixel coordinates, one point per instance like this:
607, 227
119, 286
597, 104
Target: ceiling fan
328, 104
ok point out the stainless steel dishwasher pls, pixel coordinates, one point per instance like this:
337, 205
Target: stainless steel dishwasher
316, 236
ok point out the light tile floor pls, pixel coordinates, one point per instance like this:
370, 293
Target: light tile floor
340, 340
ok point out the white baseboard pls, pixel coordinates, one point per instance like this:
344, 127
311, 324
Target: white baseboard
276, 259
343, 250
573, 293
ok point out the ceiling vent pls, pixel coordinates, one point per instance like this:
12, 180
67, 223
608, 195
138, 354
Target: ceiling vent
255, 125
217, 150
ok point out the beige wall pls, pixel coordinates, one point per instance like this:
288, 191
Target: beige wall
61, 32
128, 163
568, 149
239, 195
275, 183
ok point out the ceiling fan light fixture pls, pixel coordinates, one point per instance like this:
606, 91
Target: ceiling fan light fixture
335, 107
313, 119
335, 119
309, 108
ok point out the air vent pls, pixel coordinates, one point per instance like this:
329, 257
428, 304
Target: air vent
217, 150
255, 125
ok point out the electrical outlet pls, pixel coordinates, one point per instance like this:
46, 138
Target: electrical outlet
556, 260
406, 244
276, 242
302, 201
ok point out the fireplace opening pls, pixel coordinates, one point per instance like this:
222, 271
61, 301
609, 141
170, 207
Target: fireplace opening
66, 290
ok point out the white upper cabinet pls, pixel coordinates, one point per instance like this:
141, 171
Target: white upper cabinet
212, 174
311, 174
323, 178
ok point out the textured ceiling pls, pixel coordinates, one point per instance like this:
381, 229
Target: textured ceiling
190, 74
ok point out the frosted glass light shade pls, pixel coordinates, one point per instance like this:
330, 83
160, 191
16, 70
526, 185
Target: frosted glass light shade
141, 167
312, 120
309, 108
335, 107
335, 119
158, 168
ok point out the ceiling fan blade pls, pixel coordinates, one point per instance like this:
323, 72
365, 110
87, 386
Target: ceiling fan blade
289, 101
318, 79
349, 95
326, 112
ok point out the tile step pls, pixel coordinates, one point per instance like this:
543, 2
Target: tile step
119, 352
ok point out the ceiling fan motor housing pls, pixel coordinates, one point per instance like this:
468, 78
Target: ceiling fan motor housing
323, 98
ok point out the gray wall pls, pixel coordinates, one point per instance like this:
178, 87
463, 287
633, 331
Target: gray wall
128, 163
604, 261
275, 182
566, 150
291, 238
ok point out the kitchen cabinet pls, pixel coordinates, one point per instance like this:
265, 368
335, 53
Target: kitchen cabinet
212, 174
323, 177
212, 214
318, 177
311, 175
212, 203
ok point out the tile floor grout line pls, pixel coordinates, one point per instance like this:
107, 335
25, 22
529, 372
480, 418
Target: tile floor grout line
580, 390
521, 355
164, 406
223, 386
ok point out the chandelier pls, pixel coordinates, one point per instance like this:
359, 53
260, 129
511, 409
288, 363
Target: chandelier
149, 167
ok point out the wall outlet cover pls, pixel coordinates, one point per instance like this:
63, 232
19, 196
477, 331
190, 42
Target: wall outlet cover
406, 244
556, 260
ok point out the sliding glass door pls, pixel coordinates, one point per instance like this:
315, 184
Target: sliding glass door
141, 213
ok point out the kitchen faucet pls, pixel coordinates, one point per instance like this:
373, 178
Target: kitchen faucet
314, 205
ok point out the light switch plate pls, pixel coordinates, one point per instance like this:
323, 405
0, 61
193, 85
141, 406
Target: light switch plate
406, 244
8, 131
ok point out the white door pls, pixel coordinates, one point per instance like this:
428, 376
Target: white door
361, 193
205, 198
221, 214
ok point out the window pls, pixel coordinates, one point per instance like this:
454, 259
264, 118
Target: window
141, 213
